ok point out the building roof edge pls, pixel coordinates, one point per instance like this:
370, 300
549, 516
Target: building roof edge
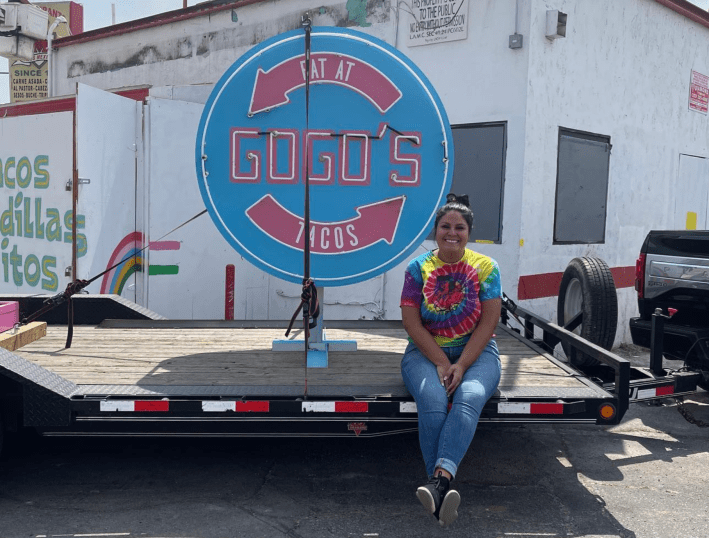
687, 9
199, 10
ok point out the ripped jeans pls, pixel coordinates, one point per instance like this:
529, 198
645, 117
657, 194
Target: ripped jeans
446, 435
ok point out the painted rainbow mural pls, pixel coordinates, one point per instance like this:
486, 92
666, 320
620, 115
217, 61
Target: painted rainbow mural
129, 249
116, 278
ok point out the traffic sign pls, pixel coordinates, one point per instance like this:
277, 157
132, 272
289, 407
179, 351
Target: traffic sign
376, 144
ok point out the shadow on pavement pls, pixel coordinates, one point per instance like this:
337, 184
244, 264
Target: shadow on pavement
511, 482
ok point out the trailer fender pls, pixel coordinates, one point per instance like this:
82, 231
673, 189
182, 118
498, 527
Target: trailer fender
587, 288
45, 396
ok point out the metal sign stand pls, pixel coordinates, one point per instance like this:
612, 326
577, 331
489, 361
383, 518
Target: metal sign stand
318, 345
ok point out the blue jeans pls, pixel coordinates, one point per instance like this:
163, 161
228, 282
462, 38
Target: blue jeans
446, 435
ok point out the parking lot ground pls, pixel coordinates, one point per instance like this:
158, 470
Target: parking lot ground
646, 477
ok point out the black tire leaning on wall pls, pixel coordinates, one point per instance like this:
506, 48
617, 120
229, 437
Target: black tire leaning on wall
588, 286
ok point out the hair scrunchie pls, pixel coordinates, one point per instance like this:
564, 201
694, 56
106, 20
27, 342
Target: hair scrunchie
458, 198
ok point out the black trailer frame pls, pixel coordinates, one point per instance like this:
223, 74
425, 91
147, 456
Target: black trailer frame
34, 397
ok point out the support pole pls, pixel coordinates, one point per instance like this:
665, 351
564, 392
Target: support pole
657, 336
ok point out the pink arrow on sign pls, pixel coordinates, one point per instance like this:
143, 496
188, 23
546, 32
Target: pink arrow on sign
374, 222
272, 87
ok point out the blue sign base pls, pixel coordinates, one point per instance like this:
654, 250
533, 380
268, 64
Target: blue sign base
317, 350
318, 344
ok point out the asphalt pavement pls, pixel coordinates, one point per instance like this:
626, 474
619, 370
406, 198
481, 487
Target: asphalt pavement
647, 477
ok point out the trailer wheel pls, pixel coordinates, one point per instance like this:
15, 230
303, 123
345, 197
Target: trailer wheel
588, 287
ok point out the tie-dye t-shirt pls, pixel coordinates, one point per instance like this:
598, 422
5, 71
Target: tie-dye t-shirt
449, 294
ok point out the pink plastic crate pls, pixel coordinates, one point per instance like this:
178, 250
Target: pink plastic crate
9, 314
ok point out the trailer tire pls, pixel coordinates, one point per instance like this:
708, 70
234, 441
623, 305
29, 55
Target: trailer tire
587, 286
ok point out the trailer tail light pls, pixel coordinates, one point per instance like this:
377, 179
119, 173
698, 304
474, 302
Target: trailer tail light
640, 275
607, 411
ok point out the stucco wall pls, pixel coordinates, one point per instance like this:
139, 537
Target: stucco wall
198, 50
480, 80
622, 70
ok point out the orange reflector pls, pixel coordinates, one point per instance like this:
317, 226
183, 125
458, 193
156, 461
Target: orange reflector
607, 411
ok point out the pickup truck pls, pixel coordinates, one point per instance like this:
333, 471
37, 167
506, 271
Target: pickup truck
672, 283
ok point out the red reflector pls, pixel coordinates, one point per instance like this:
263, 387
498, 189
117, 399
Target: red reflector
252, 407
351, 407
662, 391
155, 405
546, 409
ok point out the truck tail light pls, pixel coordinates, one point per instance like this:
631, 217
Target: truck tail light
640, 275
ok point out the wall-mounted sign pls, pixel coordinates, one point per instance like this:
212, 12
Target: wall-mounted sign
378, 147
436, 21
698, 92
28, 80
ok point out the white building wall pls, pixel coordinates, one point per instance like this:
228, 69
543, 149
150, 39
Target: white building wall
622, 70
199, 50
481, 80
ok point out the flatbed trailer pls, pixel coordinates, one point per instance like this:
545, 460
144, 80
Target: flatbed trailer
156, 377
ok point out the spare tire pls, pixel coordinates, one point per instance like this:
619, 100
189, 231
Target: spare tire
588, 287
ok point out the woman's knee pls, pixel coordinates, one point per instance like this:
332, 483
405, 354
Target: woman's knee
472, 392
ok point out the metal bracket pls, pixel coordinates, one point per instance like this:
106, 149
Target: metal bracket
81, 181
318, 345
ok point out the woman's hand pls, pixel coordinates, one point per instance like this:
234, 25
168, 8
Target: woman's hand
453, 377
442, 371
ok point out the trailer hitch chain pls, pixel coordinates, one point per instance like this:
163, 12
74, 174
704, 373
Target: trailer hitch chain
688, 416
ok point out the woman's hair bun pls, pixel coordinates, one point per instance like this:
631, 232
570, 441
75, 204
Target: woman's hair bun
458, 198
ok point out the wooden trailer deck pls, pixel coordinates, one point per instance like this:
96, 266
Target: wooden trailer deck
239, 362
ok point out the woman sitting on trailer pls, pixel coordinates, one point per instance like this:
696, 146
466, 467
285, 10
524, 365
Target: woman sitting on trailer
450, 306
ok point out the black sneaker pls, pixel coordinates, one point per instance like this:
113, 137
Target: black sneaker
448, 512
432, 494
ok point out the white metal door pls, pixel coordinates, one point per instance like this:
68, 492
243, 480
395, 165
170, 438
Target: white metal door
107, 147
35, 166
186, 266
691, 193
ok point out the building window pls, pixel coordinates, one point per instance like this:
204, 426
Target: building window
581, 187
480, 173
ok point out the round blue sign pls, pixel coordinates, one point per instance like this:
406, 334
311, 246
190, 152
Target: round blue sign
376, 145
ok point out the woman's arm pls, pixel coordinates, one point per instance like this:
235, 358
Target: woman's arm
489, 319
411, 318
